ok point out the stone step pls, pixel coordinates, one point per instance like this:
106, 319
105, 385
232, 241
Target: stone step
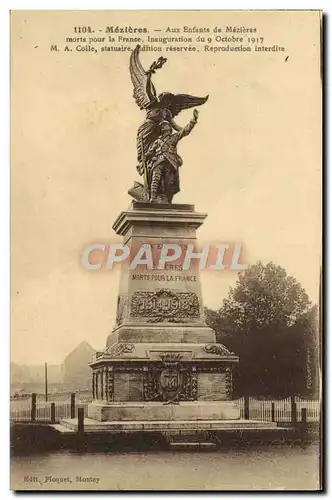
154, 411
183, 445
63, 429
192, 436
91, 425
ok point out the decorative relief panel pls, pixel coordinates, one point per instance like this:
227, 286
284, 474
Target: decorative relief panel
120, 309
93, 385
229, 383
101, 371
110, 384
165, 306
105, 382
171, 381
218, 349
120, 348
194, 383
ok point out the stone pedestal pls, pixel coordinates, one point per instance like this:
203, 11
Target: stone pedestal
161, 361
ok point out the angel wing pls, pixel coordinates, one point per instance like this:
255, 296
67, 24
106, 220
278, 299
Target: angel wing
179, 102
144, 91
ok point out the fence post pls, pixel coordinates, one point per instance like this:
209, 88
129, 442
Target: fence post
293, 410
304, 415
33, 407
273, 419
246, 407
80, 429
52, 413
72, 405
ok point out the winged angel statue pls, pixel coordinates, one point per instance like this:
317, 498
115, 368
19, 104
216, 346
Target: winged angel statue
158, 160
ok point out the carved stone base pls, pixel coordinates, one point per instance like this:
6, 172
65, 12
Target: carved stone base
165, 373
161, 362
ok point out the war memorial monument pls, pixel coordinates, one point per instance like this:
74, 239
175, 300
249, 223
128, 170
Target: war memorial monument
162, 369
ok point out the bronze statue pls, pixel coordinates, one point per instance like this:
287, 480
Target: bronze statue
157, 157
163, 162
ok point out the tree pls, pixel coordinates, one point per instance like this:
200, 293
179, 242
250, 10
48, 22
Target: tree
264, 320
306, 334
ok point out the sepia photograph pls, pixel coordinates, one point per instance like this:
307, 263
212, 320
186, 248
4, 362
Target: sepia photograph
166, 250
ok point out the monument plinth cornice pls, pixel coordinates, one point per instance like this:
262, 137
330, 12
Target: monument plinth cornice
160, 214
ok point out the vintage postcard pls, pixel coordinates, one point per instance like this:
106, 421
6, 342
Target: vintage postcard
166, 171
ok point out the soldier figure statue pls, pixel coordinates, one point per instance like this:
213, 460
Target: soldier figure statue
163, 162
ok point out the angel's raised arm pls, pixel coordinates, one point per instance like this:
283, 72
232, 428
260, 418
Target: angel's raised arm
175, 125
144, 91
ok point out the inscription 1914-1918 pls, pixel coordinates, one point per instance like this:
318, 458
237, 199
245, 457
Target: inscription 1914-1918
165, 305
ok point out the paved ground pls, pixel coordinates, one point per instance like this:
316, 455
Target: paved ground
275, 467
